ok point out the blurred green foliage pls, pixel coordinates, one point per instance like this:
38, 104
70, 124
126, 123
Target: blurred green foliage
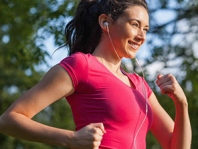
24, 26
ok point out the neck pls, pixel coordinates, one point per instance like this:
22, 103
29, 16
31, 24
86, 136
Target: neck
108, 55
113, 66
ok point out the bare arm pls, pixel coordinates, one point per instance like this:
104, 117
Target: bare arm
177, 134
16, 121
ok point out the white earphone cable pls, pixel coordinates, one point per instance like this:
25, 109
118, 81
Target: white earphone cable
146, 110
112, 42
143, 89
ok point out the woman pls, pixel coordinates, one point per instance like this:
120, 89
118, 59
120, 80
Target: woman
112, 109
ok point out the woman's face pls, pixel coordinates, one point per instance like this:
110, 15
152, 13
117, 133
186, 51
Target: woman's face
128, 32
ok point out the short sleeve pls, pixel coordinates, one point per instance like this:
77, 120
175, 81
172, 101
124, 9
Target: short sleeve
141, 84
76, 66
148, 89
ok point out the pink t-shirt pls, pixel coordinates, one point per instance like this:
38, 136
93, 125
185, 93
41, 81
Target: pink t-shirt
100, 96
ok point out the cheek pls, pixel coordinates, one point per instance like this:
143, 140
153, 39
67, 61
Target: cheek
133, 32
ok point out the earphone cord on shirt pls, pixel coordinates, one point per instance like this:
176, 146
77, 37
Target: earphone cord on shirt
146, 110
143, 88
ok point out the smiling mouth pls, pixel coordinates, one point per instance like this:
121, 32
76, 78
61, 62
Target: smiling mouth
133, 45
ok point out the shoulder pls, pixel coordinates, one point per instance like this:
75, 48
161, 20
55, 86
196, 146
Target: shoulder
77, 66
74, 58
77, 60
140, 83
135, 77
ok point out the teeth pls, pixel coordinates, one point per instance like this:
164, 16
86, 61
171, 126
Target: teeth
133, 45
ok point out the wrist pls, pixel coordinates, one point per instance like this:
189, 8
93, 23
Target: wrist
180, 101
181, 104
67, 138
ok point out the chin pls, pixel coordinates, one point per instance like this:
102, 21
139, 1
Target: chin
130, 55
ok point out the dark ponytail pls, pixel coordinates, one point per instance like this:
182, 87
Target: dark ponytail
83, 32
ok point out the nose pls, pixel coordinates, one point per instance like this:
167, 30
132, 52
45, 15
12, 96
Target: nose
141, 36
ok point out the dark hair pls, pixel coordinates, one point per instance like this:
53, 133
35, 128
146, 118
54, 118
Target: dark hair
83, 32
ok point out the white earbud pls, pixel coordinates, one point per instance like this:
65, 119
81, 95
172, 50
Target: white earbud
106, 24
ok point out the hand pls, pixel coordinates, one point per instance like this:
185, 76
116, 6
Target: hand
169, 85
89, 137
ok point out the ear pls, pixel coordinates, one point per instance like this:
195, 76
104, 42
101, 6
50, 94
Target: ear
103, 20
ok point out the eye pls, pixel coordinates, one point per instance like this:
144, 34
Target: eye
135, 24
146, 29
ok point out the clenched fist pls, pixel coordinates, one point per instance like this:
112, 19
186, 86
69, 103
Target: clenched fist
169, 85
89, 137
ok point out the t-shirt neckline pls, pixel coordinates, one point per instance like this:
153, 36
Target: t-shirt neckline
121, 69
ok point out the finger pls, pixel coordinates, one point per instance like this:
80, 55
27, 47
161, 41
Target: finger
159, 76
98, 136
166, 87
165, 91
100, 126
164, 83
96, 144
163, 80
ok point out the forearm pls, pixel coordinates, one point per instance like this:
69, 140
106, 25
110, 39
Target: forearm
182, 134
21, 127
